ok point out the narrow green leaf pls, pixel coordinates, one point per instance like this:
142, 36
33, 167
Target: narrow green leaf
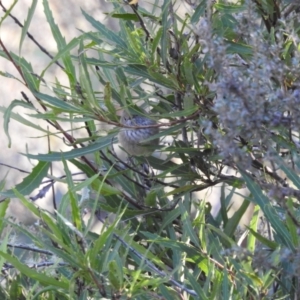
196, 286
103, 238
110, 36
9, 75
164, 38
225, 285
108, 100
168, 80
166, 293
100, 144
8, 11
114, 275
85, 80
31, 182
61, 43
94, 180
63, 53
187, 225
188, 71
141, 70
58, 103
8, 112
27, 23
182, 190
290, 223
126, 17
155, 43
227, 241
292, 175
268, 210
31, 273
233, 222
3, 207
229, 8
199, 11
253, 226
151, 199
238, 48
76, 217
23, 121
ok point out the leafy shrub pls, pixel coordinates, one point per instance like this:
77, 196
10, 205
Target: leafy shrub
223, 83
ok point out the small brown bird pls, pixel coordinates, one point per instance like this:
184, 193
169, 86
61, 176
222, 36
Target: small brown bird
132, 139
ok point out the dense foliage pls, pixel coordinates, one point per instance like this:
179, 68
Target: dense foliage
222, 82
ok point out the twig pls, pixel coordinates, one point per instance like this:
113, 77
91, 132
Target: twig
31, 36
8, 266
167, 124
33, 249
15, 168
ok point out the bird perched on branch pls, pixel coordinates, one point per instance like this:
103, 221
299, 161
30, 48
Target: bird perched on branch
132, 139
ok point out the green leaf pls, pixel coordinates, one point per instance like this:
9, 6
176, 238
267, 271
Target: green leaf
61, 44
8, 113
196, 286
199, 11
103, 238
60, 41
76, 217
229, 8
268, 210
100, 144
31, 273
8, 11
31, 182
271, 244
27, 23
227, 241
188, 71
108, 100
292, 175
59, 103
95, 180
238, 48
114, 274
3, 207
187, 225
126, 17
23, 121
155, 43
151, 198
145, 72
63, 53
85, 80
164, 38
290, 223
253, 226
233, 222
110, 36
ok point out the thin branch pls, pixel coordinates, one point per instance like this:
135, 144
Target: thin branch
167, 124
29, 248
31, 36
8, 266
15, 168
